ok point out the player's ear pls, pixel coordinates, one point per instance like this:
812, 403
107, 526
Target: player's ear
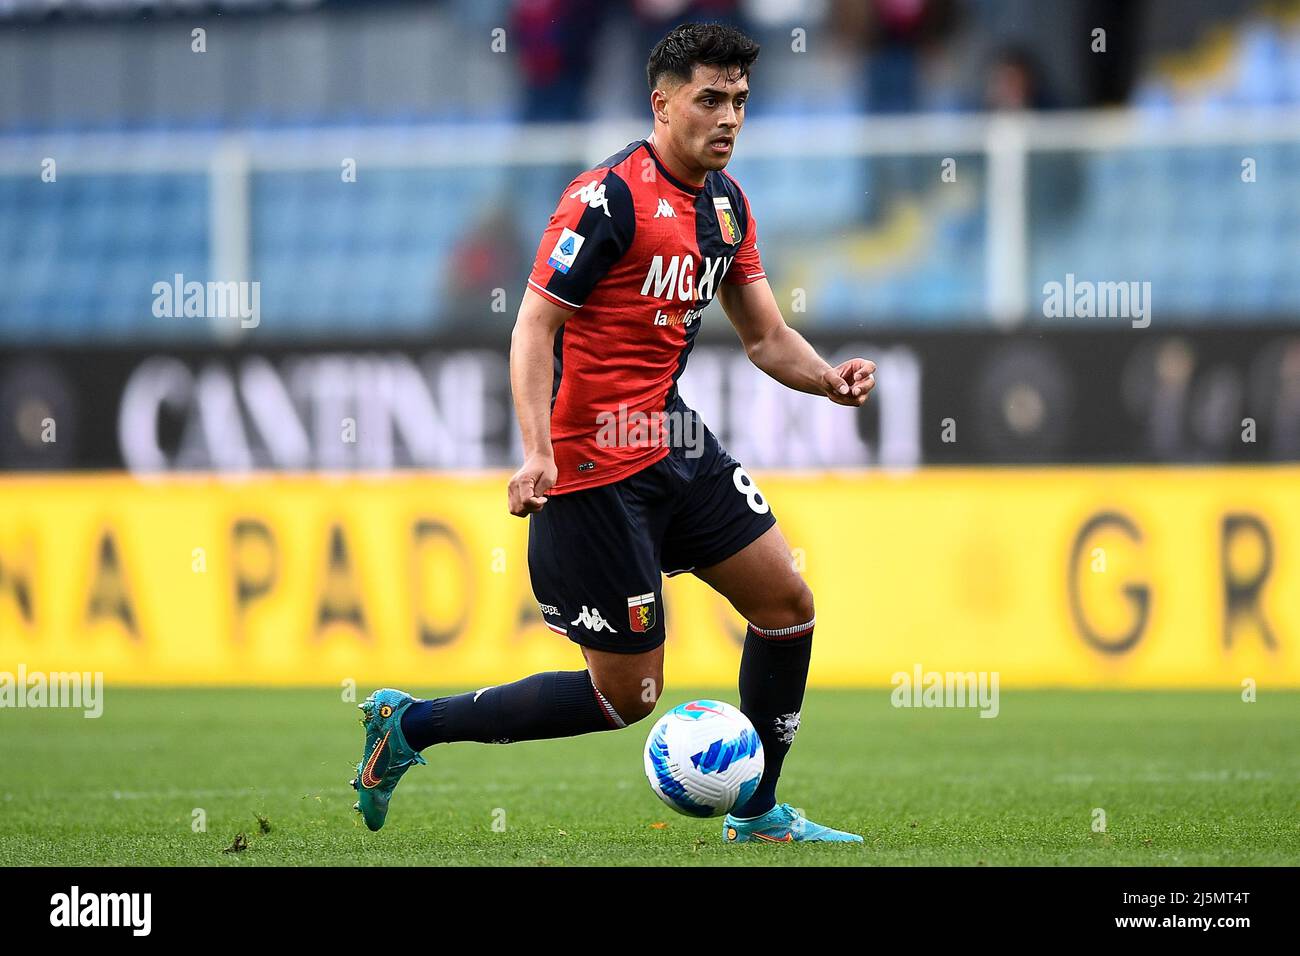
659, 105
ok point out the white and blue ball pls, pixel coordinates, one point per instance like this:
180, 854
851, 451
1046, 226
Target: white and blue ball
703, 758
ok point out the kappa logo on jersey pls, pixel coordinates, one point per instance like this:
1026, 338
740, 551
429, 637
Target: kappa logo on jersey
594, 196
641, 612
592, 620
665, 210
565, 251
673, 277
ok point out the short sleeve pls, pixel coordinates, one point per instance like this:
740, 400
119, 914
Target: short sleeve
747, 267
590, 230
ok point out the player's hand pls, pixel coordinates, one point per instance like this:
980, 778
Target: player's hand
529, 485
849, 383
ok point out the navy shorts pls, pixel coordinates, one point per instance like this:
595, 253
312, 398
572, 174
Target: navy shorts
595, 556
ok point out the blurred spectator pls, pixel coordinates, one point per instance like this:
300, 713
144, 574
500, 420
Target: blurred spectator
490, 257
896, 35
1016, 81
559, 41
557, 45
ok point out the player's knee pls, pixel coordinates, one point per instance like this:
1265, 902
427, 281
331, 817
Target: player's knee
636, 710
788, 606
632, 708
801, 603
634, 701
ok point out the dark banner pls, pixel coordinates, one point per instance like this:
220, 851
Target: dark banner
116, 904
968, 398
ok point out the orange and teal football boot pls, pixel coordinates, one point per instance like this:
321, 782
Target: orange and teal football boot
386, 756
782, 824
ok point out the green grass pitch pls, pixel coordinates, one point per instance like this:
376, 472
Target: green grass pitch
1184, 778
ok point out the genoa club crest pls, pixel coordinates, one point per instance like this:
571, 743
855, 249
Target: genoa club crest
641, 612
726, 220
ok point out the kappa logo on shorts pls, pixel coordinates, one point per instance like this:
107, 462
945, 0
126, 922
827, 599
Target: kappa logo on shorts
592, 619
641, 612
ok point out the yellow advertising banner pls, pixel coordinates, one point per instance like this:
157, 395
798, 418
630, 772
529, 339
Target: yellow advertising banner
1098, 577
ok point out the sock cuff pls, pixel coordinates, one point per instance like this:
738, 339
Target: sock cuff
610, 713
577, 689
784, 633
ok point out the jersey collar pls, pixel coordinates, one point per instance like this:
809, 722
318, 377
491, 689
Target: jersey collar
684, 187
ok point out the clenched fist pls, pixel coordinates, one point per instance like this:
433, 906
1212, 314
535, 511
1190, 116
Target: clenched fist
529, 485
849, 383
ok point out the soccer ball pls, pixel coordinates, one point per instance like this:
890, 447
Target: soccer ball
703, 758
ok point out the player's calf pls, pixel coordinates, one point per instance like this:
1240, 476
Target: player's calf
761, 584
773, 675
540, 707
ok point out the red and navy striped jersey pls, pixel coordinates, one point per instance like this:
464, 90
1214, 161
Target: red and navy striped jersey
636, 254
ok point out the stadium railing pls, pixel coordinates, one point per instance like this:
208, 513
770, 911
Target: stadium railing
934, 220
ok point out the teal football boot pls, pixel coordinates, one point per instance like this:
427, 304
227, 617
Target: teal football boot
387, 755
782, 824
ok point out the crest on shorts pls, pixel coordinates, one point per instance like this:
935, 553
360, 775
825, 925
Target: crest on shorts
641, 612
726, 220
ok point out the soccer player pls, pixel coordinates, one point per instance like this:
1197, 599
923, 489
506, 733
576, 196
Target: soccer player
621, 481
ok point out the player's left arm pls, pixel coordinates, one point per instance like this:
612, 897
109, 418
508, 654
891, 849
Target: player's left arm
784, 354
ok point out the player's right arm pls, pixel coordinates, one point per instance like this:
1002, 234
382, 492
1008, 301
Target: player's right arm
532, 349
590, 230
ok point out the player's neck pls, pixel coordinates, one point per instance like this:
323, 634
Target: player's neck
674, 165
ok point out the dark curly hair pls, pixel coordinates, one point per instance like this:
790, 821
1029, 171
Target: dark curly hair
712, 44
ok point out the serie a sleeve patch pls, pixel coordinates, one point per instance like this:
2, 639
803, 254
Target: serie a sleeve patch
565, 251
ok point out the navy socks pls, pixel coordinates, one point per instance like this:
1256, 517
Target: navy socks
773, 673
554, 704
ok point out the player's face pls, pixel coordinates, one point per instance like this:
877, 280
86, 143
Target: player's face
705, 116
